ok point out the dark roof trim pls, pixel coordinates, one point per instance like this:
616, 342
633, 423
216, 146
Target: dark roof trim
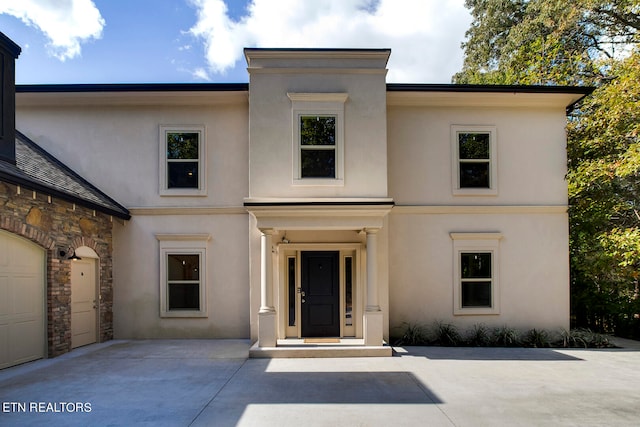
313, 49
370, 203
411, 87
32, 184
235, 87
35, 186
10, 45
133, 87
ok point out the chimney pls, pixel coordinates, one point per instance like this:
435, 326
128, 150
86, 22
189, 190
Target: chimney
9, 52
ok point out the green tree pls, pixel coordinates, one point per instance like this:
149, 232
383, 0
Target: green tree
584, 42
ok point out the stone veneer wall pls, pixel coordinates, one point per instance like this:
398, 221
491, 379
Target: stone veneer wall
57, 225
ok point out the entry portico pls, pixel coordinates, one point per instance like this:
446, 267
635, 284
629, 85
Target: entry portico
318, 197
305, 245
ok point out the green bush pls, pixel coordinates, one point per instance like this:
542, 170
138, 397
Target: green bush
413, 334
446, 334
537, 338
478, 336
505, 337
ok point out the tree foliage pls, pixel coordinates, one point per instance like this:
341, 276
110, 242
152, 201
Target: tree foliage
583, 42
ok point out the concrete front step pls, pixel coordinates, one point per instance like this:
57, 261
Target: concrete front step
298, 348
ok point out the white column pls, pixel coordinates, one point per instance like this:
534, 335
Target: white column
267, 322
372, 270
373, 321
266, 273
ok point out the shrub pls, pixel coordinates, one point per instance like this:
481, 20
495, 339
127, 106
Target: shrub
583, 338
478, 336
446, 334
537, 338
574, 338
505, 337
413, 334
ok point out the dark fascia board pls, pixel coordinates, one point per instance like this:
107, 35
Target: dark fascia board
411, 87
133, 87
10, 45
311, 49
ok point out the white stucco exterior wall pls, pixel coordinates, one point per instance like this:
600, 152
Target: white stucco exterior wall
115, 145
529, 210
397, 150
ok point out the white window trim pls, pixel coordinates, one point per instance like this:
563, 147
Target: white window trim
476, 242
493, 160
202, 164
192, 244
317, 104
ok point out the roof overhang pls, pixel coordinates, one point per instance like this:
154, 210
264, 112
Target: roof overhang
319, 214
185, 94
562, 97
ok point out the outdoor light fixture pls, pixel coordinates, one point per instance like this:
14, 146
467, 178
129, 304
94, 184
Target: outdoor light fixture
73, 255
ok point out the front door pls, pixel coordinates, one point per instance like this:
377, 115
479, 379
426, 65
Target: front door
83, 302
320, 294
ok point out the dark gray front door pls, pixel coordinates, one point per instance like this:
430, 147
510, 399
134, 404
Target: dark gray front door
321, 300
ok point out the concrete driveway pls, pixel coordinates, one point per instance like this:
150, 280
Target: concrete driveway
212, 383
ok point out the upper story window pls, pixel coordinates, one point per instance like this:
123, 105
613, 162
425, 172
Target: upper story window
182, 166
318, 147
318, 138
474, 160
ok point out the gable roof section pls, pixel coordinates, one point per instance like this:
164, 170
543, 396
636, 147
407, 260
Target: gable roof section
38, 170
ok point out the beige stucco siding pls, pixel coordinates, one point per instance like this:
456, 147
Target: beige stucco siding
529, 211
272, 136
137, 277
531, 155
117, 148
533, 269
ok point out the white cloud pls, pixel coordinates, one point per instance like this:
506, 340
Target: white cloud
424, 35
66, 23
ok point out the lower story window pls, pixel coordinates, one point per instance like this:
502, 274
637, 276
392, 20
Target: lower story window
183, 275
476, 267
183, 271
475, 280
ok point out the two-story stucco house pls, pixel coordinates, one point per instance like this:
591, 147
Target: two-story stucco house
320, 203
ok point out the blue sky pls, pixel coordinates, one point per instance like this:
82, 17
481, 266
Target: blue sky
152, 41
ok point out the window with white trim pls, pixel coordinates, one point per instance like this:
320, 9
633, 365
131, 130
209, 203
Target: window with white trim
476, 273
182, 165
318, 138
474, 166
183, 275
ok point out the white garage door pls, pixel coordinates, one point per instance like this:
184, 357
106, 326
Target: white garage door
22, 307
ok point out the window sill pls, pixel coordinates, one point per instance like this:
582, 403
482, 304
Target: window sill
183, 193
478, 192
318, 182
475, 311
184, 314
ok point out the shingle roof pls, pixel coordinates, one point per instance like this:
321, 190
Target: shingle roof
38, 170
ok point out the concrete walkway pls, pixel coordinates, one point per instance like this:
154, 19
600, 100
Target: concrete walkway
212, 383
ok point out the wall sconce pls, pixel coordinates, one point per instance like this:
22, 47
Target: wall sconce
73, 255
